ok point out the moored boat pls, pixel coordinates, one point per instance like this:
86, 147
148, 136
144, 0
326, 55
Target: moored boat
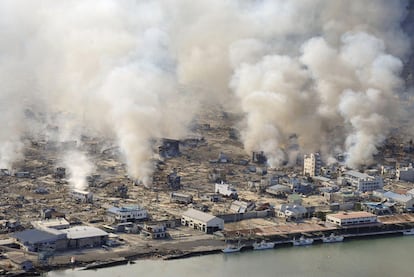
231, 248
409, 232
302, 241
333, 238
263, 245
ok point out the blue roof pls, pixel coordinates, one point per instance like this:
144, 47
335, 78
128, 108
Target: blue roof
33, 236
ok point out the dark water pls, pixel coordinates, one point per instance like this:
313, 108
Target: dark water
368, 257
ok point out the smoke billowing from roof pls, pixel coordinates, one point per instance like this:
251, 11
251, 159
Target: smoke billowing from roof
326, 71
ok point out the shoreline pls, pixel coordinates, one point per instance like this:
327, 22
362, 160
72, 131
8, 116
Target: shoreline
129, 256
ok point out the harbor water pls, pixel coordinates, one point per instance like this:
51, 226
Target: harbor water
390, 256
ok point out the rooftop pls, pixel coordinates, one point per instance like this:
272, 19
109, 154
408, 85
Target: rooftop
51, 223
80, 232
356, 174
33, 236
199, 215
352, 215
398, 197
124, 209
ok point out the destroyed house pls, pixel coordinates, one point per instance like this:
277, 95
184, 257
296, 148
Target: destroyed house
181, 198
169, 148
259, 157
242, 206
154, 231
22, 174
173, 181
49, 213
82, 196
60, 172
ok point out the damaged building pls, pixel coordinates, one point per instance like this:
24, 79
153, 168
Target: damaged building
174, 181
259, 157
169, 148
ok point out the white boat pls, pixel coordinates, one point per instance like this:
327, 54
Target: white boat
263, 245
302, 241
409, 232
333, 238
231, 248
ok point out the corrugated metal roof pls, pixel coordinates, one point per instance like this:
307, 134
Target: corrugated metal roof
398, 197
80, 232
198, 215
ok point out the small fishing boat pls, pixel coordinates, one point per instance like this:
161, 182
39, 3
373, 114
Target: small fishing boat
302, 241
263, 245
333, 238
231, 248
409, 232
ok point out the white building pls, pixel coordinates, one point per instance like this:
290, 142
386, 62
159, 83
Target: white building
225, 190
202, 221
129, 213
363, 182
82, 195
405, 173
312, 164
352, 218
291, 211
57, 224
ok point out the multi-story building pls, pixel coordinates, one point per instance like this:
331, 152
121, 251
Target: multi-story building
312, 164
130, 213
363, 182
352, 218
405, 173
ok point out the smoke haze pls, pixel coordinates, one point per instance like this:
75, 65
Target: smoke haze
325, 71
79, 167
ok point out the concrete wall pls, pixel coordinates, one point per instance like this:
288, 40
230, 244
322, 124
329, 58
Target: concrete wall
234, 217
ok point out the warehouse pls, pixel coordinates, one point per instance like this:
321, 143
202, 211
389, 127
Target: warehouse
35, 240
202, 221
85, 236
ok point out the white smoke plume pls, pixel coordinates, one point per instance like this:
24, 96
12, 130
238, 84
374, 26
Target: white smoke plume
325, 71
340, 90
78, 168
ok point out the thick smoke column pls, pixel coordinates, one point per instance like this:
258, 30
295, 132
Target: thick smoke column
339, 91
103, 67
326, 72
79, 167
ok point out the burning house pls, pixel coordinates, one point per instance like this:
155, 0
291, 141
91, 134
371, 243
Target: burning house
259, 157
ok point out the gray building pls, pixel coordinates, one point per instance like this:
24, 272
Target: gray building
202, 221
85, 236
363, 182
405, 173
34, 240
